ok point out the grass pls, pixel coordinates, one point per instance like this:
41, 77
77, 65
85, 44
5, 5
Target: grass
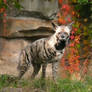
47, 85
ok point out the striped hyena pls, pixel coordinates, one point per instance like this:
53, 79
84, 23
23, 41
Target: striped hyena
45, 50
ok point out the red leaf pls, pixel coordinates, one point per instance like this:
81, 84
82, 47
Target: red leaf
4, 21
65, 13
73, 13
66, 7
69, 19
71, 45
5, 14
2, 10
72, 37
73, 32
61, 21
75, 29
5, 1
60, 1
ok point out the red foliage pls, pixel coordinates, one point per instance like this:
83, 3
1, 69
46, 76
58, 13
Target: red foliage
4, 21
75, 29
73, 58
71, 44
73, 13
3, 12
61, 21
60, 1
5, 1
69, 20
72, 37
65, 7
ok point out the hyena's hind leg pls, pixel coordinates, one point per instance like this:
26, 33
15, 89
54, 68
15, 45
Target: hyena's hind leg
44, 70
23, 64
36, 68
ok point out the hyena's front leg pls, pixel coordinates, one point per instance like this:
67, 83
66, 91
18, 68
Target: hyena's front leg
36, 68
44, 70
22, 70
55, 66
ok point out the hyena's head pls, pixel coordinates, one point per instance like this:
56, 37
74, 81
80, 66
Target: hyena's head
62, 35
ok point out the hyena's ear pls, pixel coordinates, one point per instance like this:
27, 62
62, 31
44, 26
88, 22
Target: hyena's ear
54, 25
70, 25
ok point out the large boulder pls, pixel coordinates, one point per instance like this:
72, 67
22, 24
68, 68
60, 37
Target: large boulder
26, 27
46, 7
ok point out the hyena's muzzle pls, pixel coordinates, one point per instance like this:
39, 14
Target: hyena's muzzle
62, 39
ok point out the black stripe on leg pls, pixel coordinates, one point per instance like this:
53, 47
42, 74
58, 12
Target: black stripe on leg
36, 47
45, 50
31, 51
27, 58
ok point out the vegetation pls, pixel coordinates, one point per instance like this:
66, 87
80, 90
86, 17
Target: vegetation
47, 85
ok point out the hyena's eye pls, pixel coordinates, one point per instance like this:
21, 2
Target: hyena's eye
70, 34
65, 33
59, 33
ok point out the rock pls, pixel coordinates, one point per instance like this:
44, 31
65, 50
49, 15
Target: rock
9, 55
27, 27
11, 48
47, 7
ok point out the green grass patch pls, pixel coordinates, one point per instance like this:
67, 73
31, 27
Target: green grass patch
47, 85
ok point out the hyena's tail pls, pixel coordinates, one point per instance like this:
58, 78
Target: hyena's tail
24, 63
